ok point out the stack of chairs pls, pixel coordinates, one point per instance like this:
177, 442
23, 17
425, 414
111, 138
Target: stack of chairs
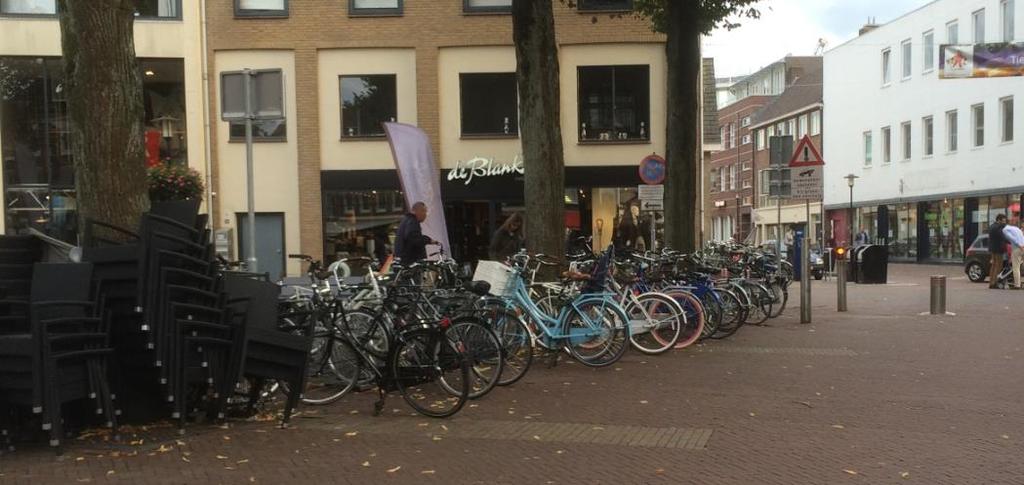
54, 351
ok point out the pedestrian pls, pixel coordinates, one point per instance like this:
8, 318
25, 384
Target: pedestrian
410, 243
1015, 237
862, 238
997, 248
507, 240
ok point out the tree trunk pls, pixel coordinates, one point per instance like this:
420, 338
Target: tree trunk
103, 87
533, 31
682, 146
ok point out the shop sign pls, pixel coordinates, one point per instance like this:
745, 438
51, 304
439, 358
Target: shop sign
1005, 59
484, 167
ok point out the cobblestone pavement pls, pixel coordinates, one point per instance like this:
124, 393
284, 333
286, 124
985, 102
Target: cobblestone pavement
878, 395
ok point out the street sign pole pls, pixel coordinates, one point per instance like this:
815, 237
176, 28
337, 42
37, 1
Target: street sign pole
805, 270
249, 175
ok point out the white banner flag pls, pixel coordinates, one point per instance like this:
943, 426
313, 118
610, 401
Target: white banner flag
419, 176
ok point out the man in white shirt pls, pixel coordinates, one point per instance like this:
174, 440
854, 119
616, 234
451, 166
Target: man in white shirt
1015, 237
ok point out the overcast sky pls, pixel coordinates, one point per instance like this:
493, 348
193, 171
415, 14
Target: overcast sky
794, 27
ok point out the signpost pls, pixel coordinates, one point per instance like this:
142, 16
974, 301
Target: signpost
805, 170
780, 151
250, 95
652, 199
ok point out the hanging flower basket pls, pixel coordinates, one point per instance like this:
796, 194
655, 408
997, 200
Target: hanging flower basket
174, 182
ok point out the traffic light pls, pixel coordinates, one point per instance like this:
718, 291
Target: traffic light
840, 253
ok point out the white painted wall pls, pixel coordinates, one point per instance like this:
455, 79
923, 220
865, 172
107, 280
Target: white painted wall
857, 102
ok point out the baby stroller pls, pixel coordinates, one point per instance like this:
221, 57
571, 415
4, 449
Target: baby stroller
1004, 279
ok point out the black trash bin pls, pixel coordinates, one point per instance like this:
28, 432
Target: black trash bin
855, 263
873, 264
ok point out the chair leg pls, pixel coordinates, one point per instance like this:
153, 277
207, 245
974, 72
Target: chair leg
255, 389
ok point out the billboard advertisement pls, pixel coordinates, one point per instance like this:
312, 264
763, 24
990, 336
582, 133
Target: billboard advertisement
1005, 59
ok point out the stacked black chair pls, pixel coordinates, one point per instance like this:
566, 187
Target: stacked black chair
57, 353
268, 352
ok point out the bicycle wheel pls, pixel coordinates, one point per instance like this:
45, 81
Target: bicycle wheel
334, 372
483, 349
516, 342
732, 312
712, 312
694, 322
780, 296
596, 332
424, 366
655, 321
743, 296
760, 302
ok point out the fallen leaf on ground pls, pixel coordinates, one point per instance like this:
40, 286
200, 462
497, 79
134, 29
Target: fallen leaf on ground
838, 426
850, 472
222, 457
427, 472
110, 472
643, 402
752, 415
239, 462
1005, 437
904, 475
395, 469
351, 433
536, 437
366, 463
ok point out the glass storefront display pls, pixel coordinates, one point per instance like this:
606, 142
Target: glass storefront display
38, 170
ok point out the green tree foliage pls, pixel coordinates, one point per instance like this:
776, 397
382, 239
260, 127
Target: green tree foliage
712, 13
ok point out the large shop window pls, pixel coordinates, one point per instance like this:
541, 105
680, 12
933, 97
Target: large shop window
361, 223
366, 103
28, 7
614, 5
489, 104
261, 8
270, 91
614, 103
35, 143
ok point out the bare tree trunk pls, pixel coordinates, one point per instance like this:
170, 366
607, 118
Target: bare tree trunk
533, 30
103, 87
682, 147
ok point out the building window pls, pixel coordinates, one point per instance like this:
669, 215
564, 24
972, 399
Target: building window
614, 103
1006, 14
732, 177
953, 32
791, 128
716, 180
952, 131
366, 103
760, 139
489, 104
157, 9
264, 130
724, 179
978, 24
802, 129
780, 129
771, 132
978, 121
928, 56
745, 140
886, 145
816, 123
1006, 115
487, 5
905, 134
928, 135
375, 7
28, 7
745, 122
725, 137
746, 166
261, 8
732, 135
613, 5
908, 62
886, 67
746, 183
867, 148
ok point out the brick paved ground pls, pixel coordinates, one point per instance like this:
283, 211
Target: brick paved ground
879, 395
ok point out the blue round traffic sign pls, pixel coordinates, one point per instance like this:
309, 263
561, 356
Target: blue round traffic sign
653, 169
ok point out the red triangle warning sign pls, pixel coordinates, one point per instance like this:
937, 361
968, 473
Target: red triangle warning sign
806, 155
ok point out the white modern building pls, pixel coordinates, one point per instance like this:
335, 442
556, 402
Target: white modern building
936, 159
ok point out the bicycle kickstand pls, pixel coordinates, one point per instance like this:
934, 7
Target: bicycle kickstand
379, 405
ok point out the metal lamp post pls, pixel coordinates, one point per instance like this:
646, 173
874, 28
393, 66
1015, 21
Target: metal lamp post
850, 179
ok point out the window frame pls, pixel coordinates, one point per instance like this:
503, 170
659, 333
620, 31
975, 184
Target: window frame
759, 135
977, 125
354, 11
513, 127
952, 131
868, 147
928, 54
886, 144
1007, 21
803, 126
745, 122
906, 137
469, 9
32, 15
1004, 120
953, 26
645, 123
816, 122
581, 5
733, 175
886, 66
906, 59
341, 108
261, 13
745, 139
975, 15
928, 136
